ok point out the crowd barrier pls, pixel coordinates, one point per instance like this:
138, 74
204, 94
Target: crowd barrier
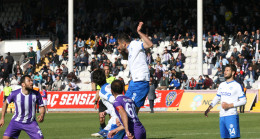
166, 100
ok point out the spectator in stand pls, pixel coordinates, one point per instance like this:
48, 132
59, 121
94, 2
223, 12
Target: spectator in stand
208, 83
175, 83
76, 59
89, 43
83, 61
209, 57
185, 84
172, 63
245, 53
149, 58
249, 77
179, 63
222, 60
183, 77
55, 61
58, 71
49, 83
112, 42
215, 45
200, 83
65, 72
256, 47
8, 69
155, 41
223, 45
65, 53
239, 77
73, 87
245, 66
174, 47
18, 72
151, 70
31, 56
231, 60
158, 58
166, 58
209, 45
163, 84
151, 94
115, 70
93, 64
181, 56
10, 58
192, 84
57, 85
37, 79
80, 43
235, 53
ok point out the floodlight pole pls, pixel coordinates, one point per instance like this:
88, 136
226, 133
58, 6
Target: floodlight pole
70, 35
200, 35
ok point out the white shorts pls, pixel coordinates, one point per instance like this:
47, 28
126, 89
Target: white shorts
45, 102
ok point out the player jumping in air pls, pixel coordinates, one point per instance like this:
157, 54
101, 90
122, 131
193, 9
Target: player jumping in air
107, 98
231, 96
125, 110
139, 85
25, 100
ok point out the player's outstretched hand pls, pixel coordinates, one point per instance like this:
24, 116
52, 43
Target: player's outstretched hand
40, 118
206, 112
112, 133
140, 26
2, 122
129, 135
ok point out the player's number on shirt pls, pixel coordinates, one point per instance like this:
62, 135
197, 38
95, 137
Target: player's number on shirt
130, 109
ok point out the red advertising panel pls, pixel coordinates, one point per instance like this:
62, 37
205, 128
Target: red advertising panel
86, 99
69, 100
166, 98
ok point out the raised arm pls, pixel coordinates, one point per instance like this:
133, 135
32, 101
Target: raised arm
147, 42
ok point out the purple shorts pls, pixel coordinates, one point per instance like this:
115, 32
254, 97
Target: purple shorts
138, 132
32, 129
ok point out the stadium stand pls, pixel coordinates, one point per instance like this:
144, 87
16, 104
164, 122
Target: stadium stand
227, 30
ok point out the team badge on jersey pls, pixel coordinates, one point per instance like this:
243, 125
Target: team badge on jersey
170, 98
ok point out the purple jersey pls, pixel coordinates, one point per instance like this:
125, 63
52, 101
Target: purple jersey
25, 105
134, 125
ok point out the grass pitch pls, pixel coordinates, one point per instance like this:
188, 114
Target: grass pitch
158, 125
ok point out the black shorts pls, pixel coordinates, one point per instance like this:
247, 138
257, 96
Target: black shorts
102, 107
5, 97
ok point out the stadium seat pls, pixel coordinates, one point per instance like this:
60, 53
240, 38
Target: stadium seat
184, 49
175, 55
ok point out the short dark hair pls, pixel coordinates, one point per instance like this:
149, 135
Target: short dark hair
23, 78
43, 87
124, 37
117, 87
99, 77
232, 67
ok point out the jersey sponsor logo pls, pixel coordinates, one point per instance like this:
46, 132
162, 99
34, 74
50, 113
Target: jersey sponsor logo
170, 98
225, 93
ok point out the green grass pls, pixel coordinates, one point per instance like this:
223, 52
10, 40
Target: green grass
158, 125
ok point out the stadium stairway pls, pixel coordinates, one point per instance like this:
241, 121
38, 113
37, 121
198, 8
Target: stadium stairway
45, 59
257, 105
